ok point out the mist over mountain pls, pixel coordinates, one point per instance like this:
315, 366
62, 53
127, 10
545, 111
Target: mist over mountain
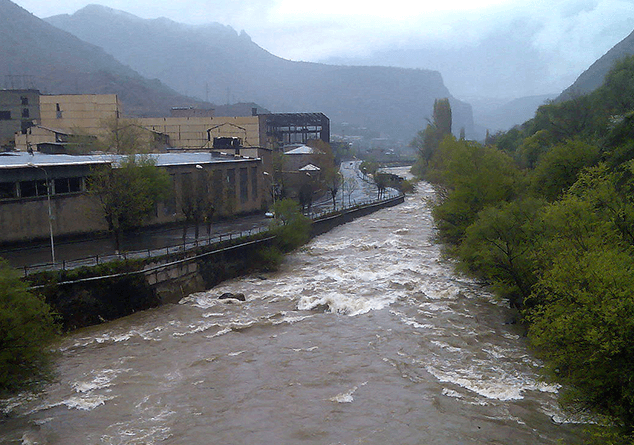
215, 63
36, 54
593, 77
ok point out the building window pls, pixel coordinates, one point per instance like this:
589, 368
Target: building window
5, 115
8, 190
25, 100
68, 185
231, 178
59, 111
29, 189
25, 112
254, 182
244, 185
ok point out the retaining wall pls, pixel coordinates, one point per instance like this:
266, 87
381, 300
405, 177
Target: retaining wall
131, 286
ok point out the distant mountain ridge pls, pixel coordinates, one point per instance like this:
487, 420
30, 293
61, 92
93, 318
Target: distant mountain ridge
60, 63
214, 62
593, 77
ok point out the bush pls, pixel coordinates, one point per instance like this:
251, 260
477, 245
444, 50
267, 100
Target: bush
290, 226
27, 329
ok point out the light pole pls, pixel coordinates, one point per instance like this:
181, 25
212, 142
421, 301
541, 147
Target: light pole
272, 186
50, 213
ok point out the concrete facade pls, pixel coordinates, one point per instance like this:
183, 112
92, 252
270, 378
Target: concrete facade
198, 133
27, 180
79, 111
18, 111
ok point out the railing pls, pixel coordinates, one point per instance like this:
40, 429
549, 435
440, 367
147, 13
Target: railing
95, 260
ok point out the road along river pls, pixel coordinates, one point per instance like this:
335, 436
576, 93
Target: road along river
365, 336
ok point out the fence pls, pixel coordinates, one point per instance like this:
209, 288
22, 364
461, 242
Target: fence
95, 260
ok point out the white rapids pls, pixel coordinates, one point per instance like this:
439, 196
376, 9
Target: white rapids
366, 335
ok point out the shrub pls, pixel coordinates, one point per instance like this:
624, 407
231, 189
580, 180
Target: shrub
27, 329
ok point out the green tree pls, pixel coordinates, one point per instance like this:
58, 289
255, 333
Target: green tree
442, 116
129, 192
290, 226
427, 141
27, 330
584, 326
558, 168
499, 247
617, 91
471, 177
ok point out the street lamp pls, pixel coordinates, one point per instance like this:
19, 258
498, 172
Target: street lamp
50, 213
272, 186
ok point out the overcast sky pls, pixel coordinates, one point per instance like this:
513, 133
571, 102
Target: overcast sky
565, 35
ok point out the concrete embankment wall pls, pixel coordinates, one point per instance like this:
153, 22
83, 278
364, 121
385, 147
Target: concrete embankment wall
93, 295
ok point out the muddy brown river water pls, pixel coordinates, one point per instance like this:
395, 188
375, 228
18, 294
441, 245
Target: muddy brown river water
365, 336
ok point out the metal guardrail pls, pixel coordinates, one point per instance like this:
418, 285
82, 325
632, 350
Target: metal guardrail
95, 260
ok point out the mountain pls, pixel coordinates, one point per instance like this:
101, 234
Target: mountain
218, 64
35, 54
504, 115
593, 77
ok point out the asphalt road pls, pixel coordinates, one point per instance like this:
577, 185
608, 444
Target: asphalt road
88, 248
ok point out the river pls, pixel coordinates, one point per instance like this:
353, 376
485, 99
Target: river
365, 336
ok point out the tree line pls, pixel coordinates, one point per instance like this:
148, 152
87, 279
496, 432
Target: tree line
544, 213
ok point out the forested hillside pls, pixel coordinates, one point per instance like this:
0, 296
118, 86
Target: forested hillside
593, 77
545, 214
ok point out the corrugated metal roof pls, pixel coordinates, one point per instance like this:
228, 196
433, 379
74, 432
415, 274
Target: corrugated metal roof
24, 159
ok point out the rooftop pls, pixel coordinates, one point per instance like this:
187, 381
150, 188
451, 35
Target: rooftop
24, 159
303, 150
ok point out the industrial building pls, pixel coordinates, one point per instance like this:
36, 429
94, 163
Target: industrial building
29, 181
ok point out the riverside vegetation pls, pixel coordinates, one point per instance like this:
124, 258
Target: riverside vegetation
545, 214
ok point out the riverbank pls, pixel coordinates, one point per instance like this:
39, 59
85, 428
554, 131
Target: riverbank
365, 335
91, 295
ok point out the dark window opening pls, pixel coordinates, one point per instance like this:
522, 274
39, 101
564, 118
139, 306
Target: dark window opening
74, 185
5, 115
59, 111
68, 185
254, 182
25, 125
25, 112
244, 185
8, 190
29, 189
25, 100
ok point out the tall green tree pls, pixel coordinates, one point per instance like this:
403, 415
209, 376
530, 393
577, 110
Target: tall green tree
27, 330
442, 116
129, 192
428, 140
